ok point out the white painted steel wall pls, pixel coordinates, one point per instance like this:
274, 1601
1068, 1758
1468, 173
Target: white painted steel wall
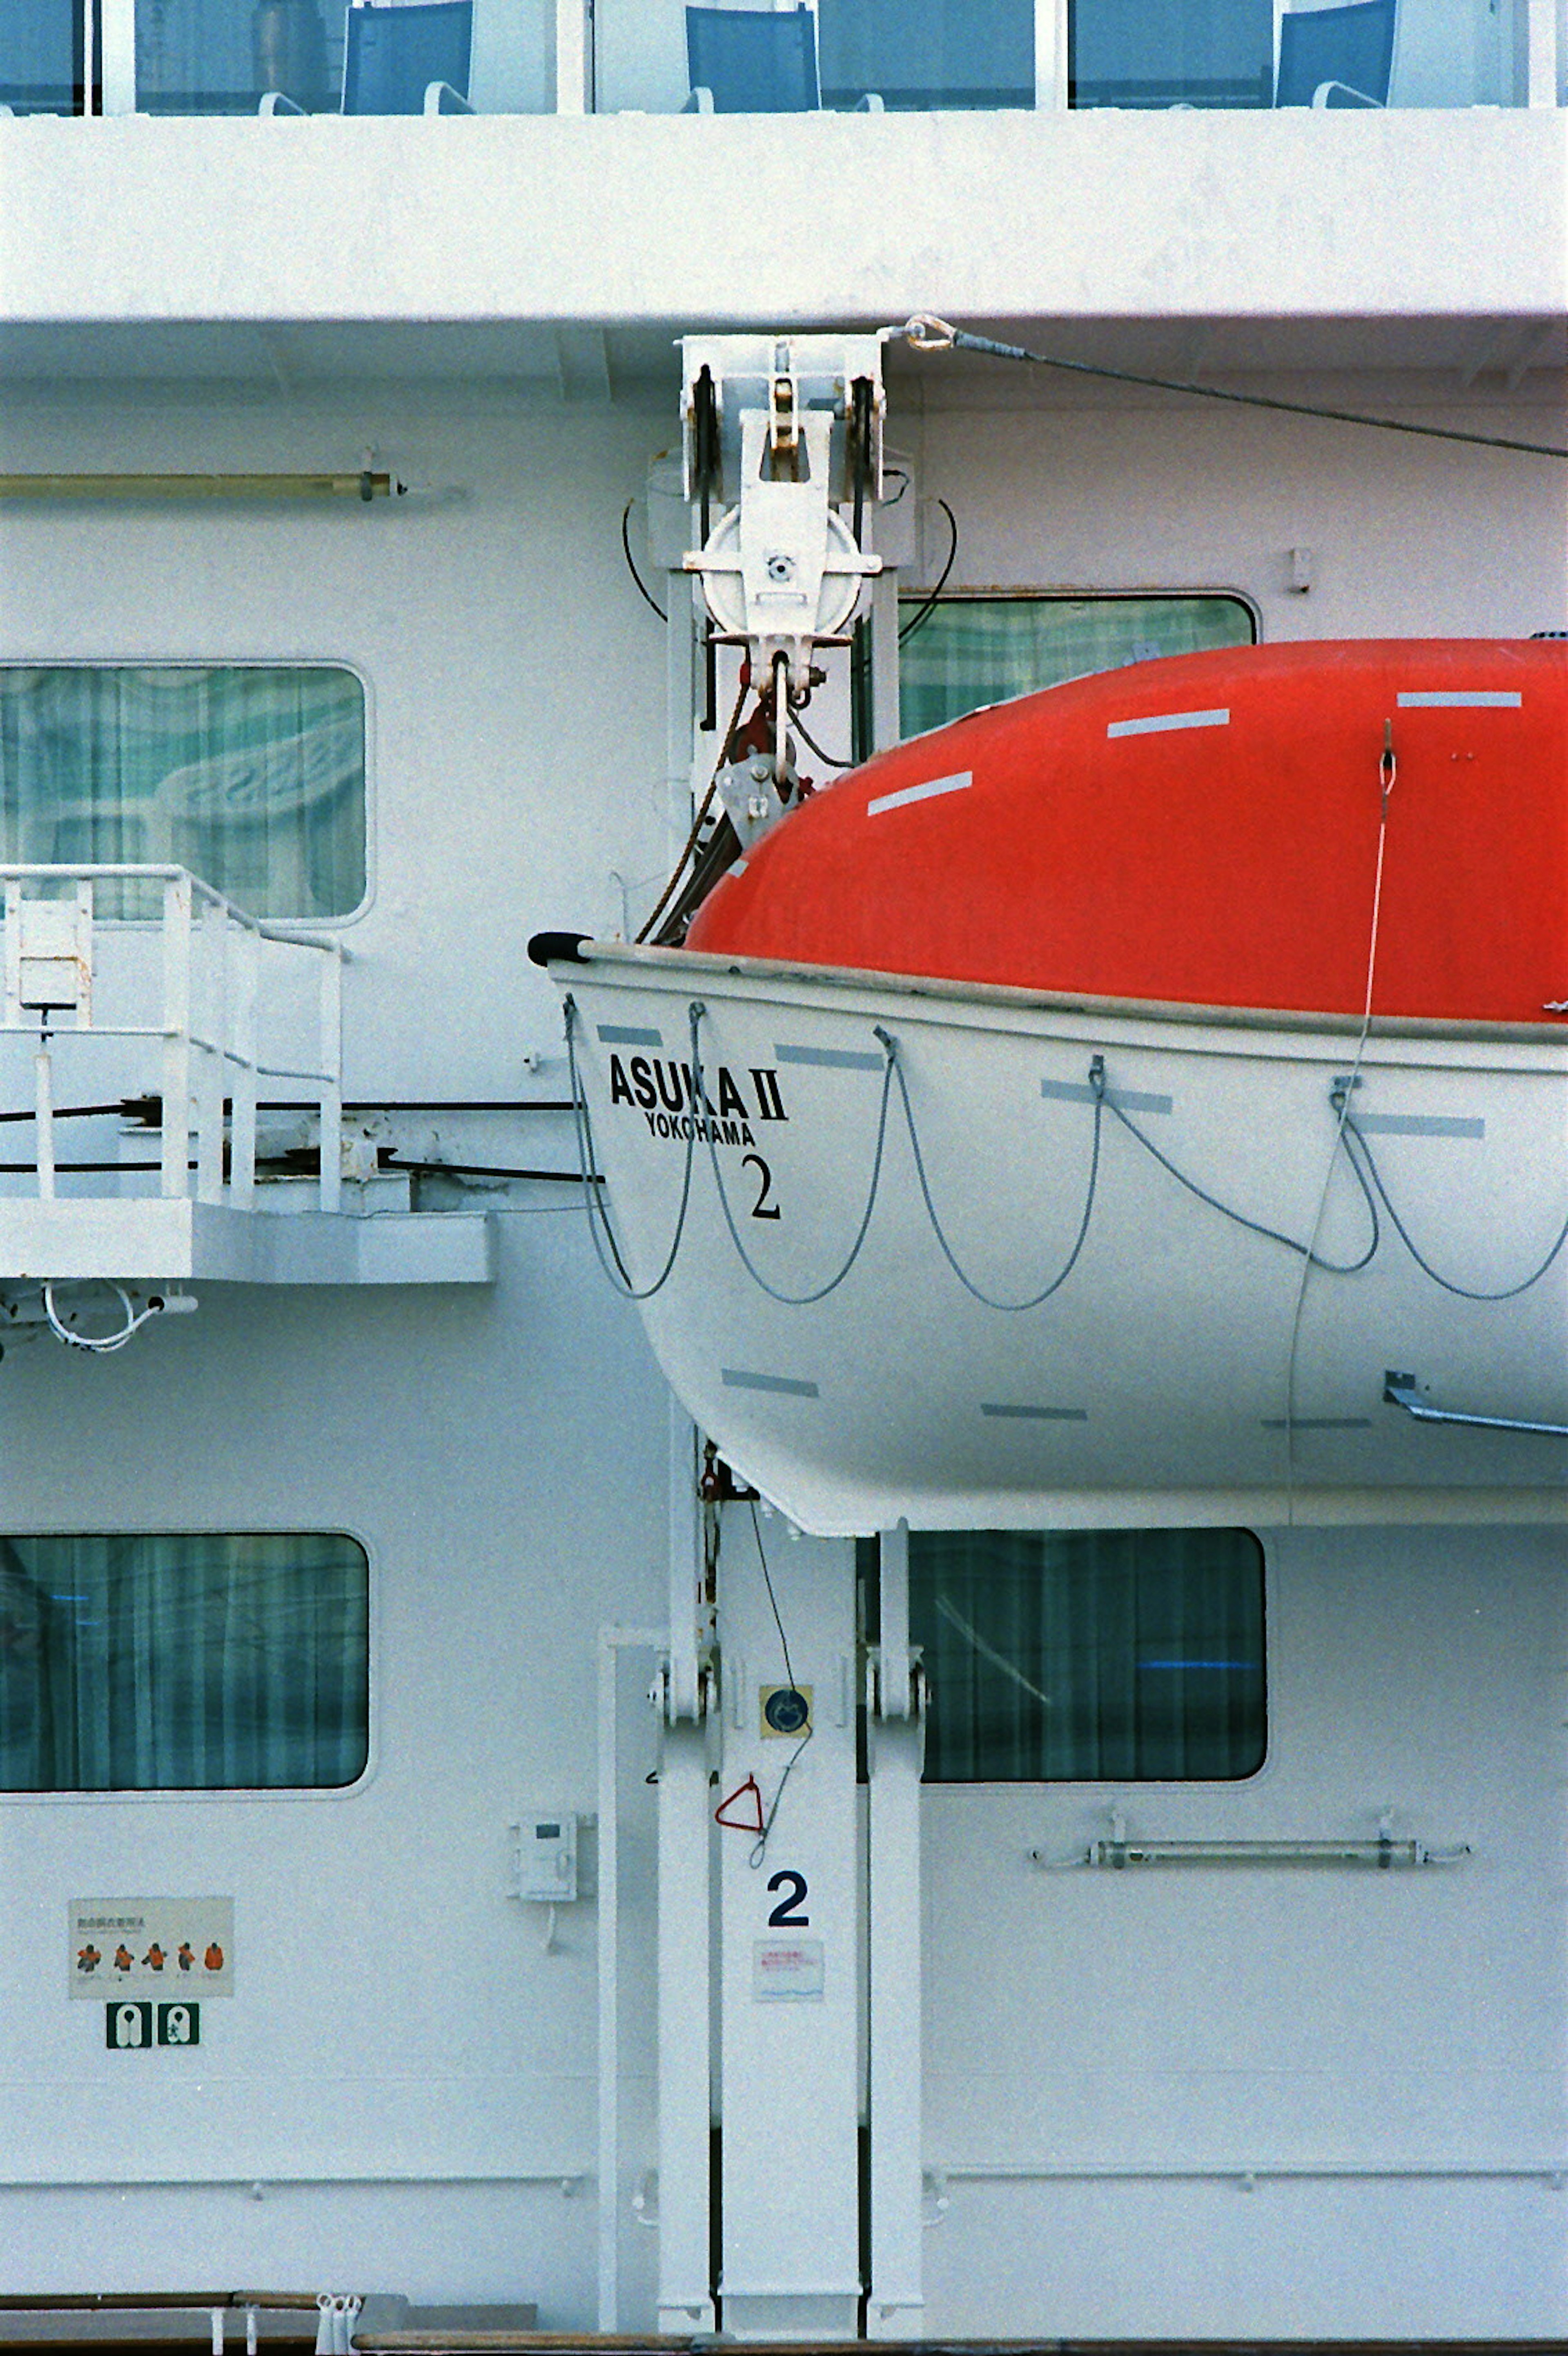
1103, 215
504, 1457
1122, 2048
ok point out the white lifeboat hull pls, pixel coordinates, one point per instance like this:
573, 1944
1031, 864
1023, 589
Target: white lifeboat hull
1187, 1366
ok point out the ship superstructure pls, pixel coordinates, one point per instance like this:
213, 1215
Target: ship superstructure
1135, 1916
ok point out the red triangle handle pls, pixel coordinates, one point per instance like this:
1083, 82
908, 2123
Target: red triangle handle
749, 1792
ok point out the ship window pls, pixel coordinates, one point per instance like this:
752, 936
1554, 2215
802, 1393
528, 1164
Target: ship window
176, 1662
251, 775
1090, 1656
970, 652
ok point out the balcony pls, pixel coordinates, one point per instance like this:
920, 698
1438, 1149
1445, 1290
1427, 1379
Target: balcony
570, 57
171, 1089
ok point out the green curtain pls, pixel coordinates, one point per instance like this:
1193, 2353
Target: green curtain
970, 652
1090, 1656
252, 777
180, 1662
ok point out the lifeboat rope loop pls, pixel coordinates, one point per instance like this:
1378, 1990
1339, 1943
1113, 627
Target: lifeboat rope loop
793, 1299
988, 1301
1307, 1252
593, 1197
1462, 1292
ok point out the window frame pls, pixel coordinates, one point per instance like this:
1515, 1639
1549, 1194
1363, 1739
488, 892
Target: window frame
269, 662
225, 1796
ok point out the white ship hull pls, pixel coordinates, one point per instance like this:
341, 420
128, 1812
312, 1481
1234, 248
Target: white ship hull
1180, 1358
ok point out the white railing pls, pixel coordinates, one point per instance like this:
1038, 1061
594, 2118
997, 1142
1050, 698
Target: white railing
63, 960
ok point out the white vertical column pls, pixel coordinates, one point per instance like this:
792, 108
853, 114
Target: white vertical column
1540, 34
1050, 54
685, 1835
574, 57
686, 2112
790, 1969
897, 2303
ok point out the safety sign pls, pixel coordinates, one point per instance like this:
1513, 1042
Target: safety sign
129, 2028
182, 1948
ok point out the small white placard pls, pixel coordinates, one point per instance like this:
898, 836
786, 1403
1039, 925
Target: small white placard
787, 1971
179, 1947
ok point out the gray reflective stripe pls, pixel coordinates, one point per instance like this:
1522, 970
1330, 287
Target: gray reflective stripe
1318, 1423
1159, 722
737, 1379
1034, 1414
1460, 699
1125, 1100
620, 1035
831, 1059
1419, 1124
920, 793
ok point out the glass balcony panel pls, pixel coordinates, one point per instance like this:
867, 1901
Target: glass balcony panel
219, 56
924, 54
1348, 54
1166, 53
41, 70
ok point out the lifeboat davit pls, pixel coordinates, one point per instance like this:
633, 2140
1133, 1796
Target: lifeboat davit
1148, 1097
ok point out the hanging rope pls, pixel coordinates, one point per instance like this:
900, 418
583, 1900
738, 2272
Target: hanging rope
1461, 1291
1097, 1087
618, 1275
796, 1299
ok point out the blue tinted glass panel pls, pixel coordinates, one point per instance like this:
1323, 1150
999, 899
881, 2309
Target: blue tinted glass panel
172, 1662
1090, 1656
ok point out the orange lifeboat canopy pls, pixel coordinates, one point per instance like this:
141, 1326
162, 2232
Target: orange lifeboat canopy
1204, 830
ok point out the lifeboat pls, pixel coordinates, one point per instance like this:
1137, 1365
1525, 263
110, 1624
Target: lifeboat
1145, 1099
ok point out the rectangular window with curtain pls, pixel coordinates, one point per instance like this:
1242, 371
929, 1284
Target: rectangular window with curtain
970, 652
253, 775
178, 1662
1091, 1655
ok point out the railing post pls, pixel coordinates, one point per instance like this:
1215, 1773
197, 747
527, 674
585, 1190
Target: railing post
44, 1119
243, 1129
213, 1050
175, 1181
332, 1079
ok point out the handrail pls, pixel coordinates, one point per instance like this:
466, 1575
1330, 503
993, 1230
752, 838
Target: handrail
209, 1026
154, 871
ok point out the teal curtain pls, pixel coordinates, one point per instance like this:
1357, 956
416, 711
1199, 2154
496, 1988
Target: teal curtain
1090, 1656
252, 777
179, 1662
970, 652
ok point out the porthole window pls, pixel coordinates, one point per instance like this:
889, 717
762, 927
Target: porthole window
253, 775
1091, 1655
176, 1662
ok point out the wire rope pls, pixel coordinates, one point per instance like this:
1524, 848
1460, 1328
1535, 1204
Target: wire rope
1460, 1291
620, 1275
1097, 1089
929, 334
795, 1299
645, 594
759, 1850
